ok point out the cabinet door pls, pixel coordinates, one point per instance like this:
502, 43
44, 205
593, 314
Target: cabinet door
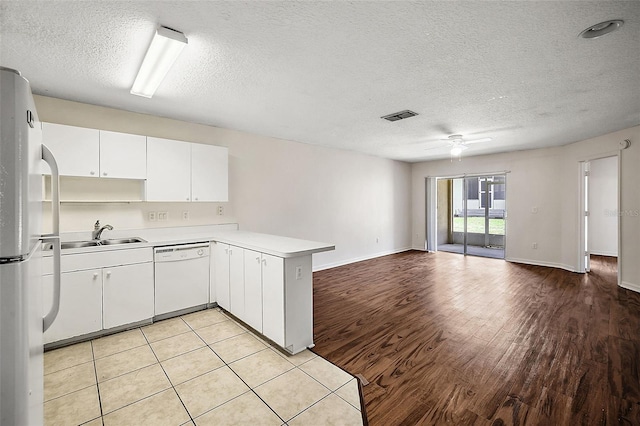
273, 298
221, 273
168, 170
209, 173
253, 289
77, 149
80, 304
123, 155
236, 282
128, 294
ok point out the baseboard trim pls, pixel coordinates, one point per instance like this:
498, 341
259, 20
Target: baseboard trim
542, 263
359, 259
630, 286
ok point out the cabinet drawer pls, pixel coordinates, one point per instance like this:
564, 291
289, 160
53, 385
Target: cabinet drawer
103, 259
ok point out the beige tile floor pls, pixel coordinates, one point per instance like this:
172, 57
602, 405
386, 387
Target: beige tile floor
202, 368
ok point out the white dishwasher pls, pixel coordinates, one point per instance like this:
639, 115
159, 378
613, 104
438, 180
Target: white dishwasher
181, 277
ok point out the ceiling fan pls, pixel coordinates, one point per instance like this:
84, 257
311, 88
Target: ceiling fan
459, 144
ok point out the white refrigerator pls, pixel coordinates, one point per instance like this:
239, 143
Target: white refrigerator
21, 321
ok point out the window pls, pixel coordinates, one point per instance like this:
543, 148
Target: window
472, 188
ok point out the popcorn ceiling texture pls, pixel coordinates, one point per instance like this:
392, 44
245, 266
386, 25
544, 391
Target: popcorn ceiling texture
325, 72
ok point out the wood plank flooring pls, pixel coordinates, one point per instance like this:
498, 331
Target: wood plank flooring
448, 339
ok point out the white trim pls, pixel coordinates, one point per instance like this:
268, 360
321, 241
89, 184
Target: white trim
542, 263
630, 286
463, 175
604, 253
317, 268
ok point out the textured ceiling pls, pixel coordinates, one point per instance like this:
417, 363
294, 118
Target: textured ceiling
325, 72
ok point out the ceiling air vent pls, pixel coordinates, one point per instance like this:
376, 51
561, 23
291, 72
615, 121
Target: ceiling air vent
399, 115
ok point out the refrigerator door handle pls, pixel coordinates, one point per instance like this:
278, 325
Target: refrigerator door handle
54, 237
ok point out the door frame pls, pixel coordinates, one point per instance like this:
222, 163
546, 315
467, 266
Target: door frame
582, 240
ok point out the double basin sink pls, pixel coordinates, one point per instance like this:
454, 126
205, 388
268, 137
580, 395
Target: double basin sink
95, 243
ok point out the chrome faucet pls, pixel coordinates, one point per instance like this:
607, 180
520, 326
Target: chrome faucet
97, 230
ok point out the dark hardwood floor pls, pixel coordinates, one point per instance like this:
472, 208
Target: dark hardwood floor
448, 339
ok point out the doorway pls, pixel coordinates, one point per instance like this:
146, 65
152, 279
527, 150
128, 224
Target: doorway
601, 217
471, 215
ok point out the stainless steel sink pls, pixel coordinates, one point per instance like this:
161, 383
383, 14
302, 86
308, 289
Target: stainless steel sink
122, 241
94, 243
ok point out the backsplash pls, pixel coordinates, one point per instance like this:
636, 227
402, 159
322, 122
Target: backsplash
79, 216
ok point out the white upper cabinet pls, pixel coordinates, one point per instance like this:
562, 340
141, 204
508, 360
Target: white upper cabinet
77, 149
168, 170
96, 153
183, 171
209, 173
123, 155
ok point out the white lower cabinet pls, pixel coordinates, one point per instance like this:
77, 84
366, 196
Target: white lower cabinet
80, 304
127, 294
273, 298
236, 282
220, 274
100, 290
253, 288
273, 295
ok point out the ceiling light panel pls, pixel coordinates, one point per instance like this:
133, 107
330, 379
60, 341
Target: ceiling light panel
162, 53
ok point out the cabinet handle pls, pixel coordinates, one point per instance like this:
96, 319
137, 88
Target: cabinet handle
258, 259
187, 198
230, 251
264, 262
196, 198
104, 173
95, 275
108, 274
92, 173
226, 251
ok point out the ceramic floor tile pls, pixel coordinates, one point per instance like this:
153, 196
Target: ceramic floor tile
73, 409
291, 393
192, 364
325, 372
118, 342
331, 411
124, 362
220, 331
177, 345
260, 367
164, 329
208, 391
350, 393
246, 409
237, 347
204, 318
59, 359
160, 409
297, 359
132, 387
96, 422
69, 380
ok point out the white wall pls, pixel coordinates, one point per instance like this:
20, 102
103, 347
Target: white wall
603, 207
358, 202
549, 180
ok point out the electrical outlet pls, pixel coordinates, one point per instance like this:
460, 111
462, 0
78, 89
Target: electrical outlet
534, 246
153, 216
185, 215
298, 272
220, 210
163, 216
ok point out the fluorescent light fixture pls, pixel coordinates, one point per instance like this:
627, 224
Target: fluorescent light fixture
163, 52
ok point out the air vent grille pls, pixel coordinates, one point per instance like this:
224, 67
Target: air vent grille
399, 115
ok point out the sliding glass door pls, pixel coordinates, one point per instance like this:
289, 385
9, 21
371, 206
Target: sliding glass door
476, 208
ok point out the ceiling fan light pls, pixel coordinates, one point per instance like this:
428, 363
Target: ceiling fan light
456, 151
